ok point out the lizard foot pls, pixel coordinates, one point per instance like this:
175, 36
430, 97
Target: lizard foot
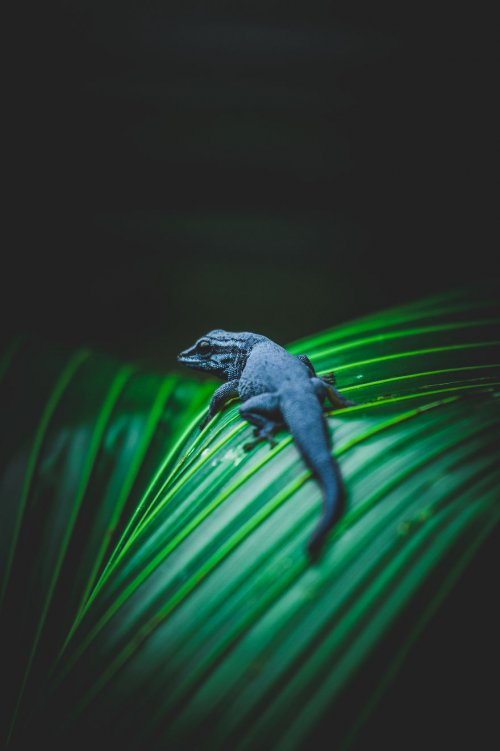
329, 378
337, 400
260, 437
345, 403
205, 421
350, 403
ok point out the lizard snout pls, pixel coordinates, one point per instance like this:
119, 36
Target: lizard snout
185, 356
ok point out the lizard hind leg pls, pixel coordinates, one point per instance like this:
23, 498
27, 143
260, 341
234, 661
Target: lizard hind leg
262, 411
327, 391
326, 377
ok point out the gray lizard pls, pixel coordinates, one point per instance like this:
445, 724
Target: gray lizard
277, 390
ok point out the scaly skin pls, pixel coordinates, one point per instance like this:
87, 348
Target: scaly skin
277, 390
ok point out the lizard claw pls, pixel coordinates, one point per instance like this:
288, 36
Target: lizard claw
337, 400
204, 422
329, 378
345, 403
260, 437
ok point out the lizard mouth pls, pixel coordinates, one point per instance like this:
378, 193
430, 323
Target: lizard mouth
190, 362
186, 357
194, 362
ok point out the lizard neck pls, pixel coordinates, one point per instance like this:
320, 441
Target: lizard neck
235, 365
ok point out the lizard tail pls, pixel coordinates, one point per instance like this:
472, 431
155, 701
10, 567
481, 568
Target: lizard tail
303, 415
333, 497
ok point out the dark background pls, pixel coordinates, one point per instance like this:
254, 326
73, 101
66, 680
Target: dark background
272, 166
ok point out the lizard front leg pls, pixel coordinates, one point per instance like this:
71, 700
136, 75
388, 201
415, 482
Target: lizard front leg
263, 412
227, 391
325, 386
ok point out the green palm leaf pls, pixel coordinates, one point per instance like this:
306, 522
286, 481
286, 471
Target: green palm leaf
147, 565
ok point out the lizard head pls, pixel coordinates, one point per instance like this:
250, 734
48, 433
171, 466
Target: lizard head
221, 353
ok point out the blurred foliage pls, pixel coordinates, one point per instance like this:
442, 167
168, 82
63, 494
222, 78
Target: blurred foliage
155, 587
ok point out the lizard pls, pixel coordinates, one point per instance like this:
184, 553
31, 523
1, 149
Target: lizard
277, 390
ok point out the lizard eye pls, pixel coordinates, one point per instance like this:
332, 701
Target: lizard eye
204, 347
